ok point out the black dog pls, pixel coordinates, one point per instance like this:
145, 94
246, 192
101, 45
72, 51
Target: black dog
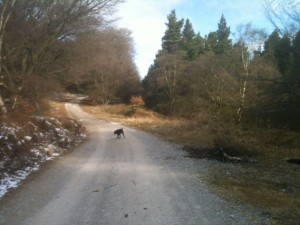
119, 132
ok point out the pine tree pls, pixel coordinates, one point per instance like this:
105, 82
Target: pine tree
211, 41
172, 38
296, 52
192, 43
296, 70
283, 54
271, 44
200, 43
188, 35
223, 32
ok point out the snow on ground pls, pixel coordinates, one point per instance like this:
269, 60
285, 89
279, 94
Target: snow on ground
13, 180
24, 148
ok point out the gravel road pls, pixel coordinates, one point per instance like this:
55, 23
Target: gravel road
140, 180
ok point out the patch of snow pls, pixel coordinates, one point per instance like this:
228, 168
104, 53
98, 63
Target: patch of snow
83, 135
28, 138
13, 181
52, 142
52, 156
56, 121
36, 152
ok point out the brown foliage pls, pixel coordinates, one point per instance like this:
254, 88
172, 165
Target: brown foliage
34, 59
101, 65
137, 101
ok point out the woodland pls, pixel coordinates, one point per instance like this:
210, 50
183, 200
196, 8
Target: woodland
48, 47
249, 77
252, 80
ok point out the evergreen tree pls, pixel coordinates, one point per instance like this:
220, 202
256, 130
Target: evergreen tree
188, 35
223, 32
296, 51
192, 43
283, 54
211, 42
172, 38
296, 69
200, 43
196, 48
271, 44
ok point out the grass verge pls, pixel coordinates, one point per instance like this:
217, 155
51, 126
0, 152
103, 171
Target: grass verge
262, 180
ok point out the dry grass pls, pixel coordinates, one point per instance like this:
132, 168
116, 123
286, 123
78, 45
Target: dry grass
181, 131
264, 181
57, 109
25, 110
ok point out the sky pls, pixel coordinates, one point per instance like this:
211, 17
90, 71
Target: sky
146, 19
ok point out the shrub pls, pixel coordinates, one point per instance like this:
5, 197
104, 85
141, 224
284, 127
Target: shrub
136, 102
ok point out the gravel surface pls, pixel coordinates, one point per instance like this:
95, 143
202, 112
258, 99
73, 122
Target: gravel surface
140, 180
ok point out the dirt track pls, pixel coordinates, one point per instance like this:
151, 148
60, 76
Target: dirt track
139, 180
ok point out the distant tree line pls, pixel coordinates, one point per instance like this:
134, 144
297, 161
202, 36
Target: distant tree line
254, 79
47, 46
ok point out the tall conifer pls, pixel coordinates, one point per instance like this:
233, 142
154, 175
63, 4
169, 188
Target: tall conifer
223, 32
172, 38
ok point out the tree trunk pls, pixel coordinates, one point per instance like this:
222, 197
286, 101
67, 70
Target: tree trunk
2, 106
4, 17
243, 89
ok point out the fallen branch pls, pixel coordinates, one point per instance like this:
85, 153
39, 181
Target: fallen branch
230, 158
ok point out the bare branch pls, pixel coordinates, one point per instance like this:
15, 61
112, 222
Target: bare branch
284, 15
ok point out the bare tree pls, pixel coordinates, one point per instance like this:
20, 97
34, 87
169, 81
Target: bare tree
169, 73
284, 15
213, 83
40, 27
249, 39
6, 10
102, 64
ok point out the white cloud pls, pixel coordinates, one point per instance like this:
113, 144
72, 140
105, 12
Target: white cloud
146, 20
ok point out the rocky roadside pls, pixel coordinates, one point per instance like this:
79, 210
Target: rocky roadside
23, 148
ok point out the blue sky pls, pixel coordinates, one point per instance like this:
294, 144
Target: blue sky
146, 19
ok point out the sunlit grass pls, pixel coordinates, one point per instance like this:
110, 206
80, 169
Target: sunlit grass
177, 130
57, 109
